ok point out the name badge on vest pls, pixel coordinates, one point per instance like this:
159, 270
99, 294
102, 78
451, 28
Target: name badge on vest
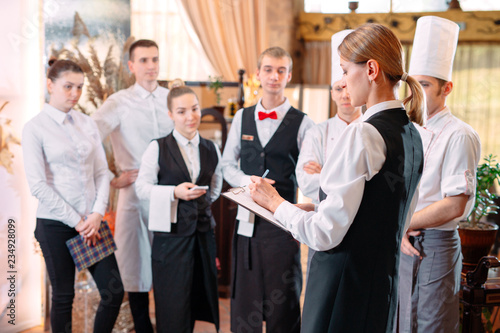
247, 137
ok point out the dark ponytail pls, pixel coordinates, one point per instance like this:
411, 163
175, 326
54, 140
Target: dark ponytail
57, 67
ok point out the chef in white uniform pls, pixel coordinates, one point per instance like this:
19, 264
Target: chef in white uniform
431, 259
132, 118
320, 139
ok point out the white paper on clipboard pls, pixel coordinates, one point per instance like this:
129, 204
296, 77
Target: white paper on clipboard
244, 199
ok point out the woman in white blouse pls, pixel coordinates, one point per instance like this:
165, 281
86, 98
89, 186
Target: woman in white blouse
66, 170
368, 189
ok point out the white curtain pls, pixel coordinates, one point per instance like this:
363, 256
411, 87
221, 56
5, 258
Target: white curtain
233, 32
181, 54
476, 92
20, 84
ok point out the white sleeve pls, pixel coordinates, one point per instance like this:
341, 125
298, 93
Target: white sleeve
107, 117
460, 167
34, 166
231, 156
101, 177
216, 182
461, 159
361, 153
305, 125
162, 205
312, 147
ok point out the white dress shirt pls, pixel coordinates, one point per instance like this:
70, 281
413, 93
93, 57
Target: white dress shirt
230, 159
452, 150
133, 117
65, 165
317, 146
162, 203
357, 157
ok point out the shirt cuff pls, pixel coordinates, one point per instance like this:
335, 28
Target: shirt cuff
111, 175
459, 184
245, 180
74, 219
284, 212
100, 208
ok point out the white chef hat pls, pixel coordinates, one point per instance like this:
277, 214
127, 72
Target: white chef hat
434, 47
337, 39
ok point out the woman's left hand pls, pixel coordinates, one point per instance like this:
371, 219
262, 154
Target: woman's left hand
90, 225
264, 194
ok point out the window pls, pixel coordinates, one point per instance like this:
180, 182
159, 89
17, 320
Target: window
342, 6
398, 6
181, 54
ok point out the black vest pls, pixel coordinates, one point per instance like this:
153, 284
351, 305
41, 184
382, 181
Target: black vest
194, 214
279, 155
357, 282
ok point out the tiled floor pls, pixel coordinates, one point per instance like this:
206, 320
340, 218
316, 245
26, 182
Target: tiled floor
200, 326
224, 309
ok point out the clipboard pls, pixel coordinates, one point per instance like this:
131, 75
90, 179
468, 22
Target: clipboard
242, 197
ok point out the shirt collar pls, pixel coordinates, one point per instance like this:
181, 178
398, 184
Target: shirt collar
58, 115
343, 122
387, 105
143, 93
281, 110
183, 141
439, 119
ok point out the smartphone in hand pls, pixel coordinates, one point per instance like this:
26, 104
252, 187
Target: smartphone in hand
203, 187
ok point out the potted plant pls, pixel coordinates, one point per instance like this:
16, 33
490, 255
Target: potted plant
478, 236
215, 85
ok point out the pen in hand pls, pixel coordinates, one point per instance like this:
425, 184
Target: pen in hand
263, 176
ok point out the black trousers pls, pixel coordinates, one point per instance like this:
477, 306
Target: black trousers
52, 236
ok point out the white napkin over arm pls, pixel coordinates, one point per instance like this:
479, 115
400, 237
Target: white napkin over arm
159, 198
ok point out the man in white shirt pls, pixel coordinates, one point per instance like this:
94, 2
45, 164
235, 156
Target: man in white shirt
430, 263
132, 118
267, 278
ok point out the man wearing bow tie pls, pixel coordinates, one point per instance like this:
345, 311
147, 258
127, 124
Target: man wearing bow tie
267, 278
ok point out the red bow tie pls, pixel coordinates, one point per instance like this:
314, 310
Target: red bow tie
272, 115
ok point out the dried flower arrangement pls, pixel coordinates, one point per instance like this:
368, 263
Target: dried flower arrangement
7, 137
102, 80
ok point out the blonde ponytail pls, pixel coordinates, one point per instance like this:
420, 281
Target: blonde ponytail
415, 103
